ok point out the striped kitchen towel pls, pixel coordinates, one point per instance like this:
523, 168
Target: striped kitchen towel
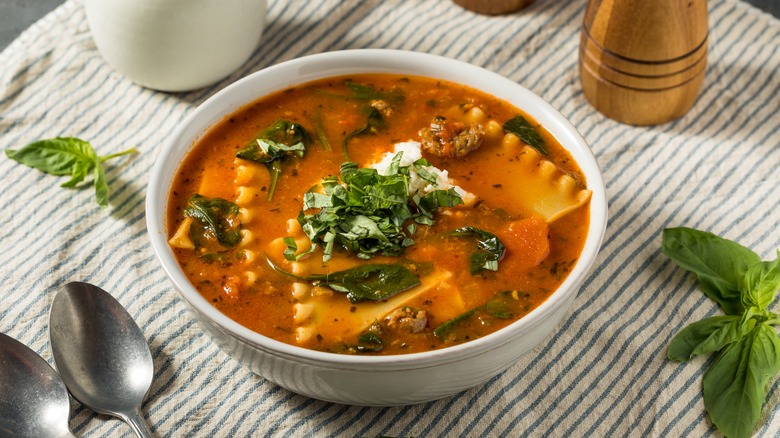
602, 373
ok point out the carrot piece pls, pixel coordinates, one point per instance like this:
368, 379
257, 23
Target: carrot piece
526, 241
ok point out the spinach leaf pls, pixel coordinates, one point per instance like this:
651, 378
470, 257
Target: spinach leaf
505, 304
67, 156
374, 123
519, 126
446, 331
274, 145
364, 92
489, 252
747, 346
369, 342
369, 282
216, 227
323, 139
719, 264
734, 386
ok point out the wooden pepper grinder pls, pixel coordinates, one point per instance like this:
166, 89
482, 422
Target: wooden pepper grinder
642, 62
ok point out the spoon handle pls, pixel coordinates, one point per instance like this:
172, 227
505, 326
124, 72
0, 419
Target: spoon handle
136, 421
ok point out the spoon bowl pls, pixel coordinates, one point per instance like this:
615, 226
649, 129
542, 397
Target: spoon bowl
101, 353
34, 401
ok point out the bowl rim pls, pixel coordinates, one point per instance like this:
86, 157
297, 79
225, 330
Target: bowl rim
344, 62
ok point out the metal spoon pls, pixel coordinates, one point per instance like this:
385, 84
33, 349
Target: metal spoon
101, 353
34, 401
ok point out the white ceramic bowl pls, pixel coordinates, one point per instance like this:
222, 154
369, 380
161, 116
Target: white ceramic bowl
373, 380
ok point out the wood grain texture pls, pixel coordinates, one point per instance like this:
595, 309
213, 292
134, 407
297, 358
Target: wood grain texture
641, 62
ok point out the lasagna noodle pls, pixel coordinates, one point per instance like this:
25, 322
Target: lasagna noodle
550, 193
337, 319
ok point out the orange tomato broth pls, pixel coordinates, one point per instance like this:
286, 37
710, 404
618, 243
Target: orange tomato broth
538, 255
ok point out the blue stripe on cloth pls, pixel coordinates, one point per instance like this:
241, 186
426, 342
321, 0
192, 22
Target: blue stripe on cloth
602, 373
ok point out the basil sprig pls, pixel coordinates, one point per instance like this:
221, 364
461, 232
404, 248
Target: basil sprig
68, 156
746, 345
369, 282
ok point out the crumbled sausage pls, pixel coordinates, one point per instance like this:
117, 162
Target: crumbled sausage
407, 319
383, 107
451, 139
231, 287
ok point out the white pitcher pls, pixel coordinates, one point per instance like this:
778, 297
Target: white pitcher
176, 45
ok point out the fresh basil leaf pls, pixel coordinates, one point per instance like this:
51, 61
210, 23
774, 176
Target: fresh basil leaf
489, 252
55, 156
719, 264
735, 384
706, 336
760, 283
101, 186
79, 172
220, 228
67, 156
519, 126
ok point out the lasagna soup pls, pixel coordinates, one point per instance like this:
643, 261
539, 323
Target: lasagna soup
377, 214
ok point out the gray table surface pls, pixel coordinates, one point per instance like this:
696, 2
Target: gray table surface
17, 15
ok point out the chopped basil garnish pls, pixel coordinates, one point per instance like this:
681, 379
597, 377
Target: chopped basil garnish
292, 248
366, 213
